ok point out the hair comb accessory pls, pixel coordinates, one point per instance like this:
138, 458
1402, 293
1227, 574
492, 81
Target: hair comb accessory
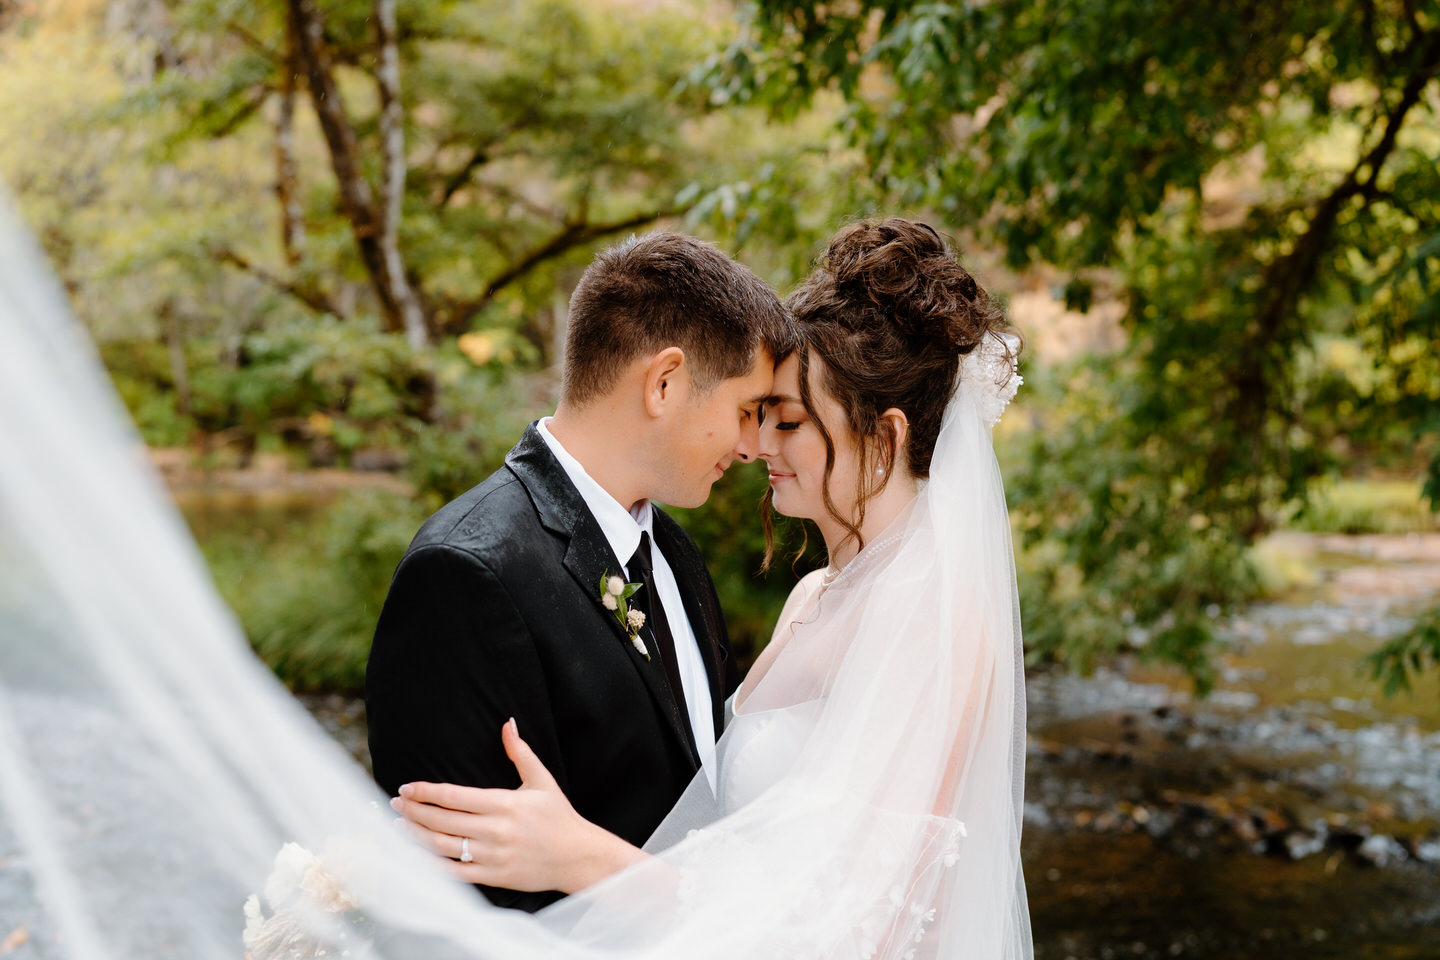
990, 374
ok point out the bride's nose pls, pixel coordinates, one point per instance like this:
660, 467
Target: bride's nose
769, 445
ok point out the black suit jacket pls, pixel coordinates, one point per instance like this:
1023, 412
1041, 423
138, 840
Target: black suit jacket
495, 612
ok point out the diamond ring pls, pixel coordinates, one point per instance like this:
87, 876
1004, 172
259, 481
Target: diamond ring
465, 851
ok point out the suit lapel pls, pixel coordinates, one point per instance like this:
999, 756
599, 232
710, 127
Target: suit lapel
588, 557
700, 607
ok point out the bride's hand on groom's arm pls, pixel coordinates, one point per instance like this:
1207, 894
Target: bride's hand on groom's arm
527, 839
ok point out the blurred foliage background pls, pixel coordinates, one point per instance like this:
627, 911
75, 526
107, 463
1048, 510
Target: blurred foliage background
325, 248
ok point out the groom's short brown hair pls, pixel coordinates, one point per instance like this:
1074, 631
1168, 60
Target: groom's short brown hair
669, 290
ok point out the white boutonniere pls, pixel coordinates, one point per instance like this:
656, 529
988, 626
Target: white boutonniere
614, 591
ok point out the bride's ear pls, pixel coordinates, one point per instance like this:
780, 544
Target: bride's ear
665, 375
896, 426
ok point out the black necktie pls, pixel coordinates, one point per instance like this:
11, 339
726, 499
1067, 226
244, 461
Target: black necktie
648, 600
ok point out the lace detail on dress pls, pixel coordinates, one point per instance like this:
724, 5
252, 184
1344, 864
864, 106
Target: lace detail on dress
894, 916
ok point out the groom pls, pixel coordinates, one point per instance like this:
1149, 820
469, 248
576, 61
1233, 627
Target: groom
496, 609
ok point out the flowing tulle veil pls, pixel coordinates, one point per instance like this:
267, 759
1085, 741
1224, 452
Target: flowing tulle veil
151, 768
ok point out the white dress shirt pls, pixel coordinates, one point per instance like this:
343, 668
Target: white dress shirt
622, 529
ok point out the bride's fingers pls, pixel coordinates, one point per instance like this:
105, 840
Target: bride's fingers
442, 820
451, 847
455, 797
476, 873
439, 844
532, 771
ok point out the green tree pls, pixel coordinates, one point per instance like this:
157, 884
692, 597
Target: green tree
218, 183
472, 152
1248, 178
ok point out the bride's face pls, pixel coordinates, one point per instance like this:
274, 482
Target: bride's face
794, 450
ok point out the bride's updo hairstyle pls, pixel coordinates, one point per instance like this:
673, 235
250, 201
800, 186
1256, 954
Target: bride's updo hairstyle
883, 321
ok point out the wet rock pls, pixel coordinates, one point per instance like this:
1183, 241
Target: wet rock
1036, 815
1106, 821
1160, 823
1380, 850
1270, 821
1299, 844
1426, 851
1246, 830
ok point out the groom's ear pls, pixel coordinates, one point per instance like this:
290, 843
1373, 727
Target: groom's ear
666, 377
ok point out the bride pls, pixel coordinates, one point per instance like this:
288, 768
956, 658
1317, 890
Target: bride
867, 799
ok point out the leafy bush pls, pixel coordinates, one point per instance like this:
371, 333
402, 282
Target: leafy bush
308, 586
1417, 651
297, 380
1366, 506
479, 416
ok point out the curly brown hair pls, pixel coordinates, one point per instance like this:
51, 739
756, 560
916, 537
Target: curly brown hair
884, 319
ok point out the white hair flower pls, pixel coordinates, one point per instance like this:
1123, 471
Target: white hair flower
988, 373
637, 619
609, 602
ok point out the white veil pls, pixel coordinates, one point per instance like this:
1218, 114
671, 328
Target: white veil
151, 768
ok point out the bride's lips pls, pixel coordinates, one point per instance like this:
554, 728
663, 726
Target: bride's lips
779, 477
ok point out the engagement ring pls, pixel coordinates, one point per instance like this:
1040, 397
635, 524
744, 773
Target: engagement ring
465, 851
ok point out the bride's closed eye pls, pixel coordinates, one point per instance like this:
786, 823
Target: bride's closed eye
772, 409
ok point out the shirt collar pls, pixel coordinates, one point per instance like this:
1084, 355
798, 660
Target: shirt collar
621, 526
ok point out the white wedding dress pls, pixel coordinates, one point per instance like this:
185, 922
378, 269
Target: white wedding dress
763, 746
150, 767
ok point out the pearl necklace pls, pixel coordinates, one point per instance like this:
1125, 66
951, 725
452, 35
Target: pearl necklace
862, 559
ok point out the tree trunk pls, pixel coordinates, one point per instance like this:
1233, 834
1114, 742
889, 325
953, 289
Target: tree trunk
291, 229
175, 345
356, 198
392, 131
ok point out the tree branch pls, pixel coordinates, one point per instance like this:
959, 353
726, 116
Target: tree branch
254, 42
1289, 273
1411, 18
316, 300
392, 138
356, 199
458, 179
484, 154
573, 234
246, 111
508, 194
292, 230
1287, 277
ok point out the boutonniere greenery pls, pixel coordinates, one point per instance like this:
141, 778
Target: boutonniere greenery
614, 592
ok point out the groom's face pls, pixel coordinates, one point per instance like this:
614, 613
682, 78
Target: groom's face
713, 430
